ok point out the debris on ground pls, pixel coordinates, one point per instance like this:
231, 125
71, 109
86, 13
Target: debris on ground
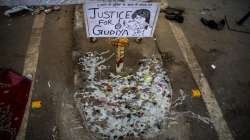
243, 19
237, 28
56, 8
29, 76
167, 58
17, 10
163, 6
20, 10
174, 14
207, 11
125, 106
138, 40
212, 24
137, 105
179, 100
54, 133
213, 66
38, 10
45, 9
189, 114
36, 104
49, 84
204, 11
92, 39
196, 92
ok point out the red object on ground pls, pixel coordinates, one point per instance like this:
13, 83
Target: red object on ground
14, 93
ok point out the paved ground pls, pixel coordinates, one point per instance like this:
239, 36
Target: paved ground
58, 115
59, 119
227, 50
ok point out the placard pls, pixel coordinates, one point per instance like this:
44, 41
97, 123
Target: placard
120, 19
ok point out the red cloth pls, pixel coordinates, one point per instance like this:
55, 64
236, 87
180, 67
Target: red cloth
14, 93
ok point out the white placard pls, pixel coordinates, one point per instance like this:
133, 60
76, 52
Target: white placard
121, 19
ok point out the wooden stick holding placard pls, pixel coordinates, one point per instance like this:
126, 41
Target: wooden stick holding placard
120, 44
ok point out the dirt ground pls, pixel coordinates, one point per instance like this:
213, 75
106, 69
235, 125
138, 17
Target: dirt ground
59, 119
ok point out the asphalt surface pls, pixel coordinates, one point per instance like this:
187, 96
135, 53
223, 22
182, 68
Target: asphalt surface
14, 38
228, 51
59, 119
